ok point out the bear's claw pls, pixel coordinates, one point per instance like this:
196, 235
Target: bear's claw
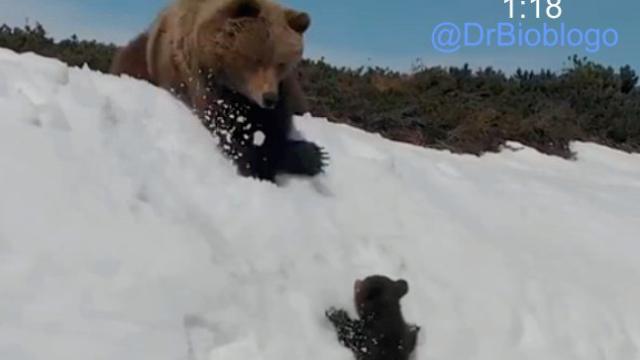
305, 158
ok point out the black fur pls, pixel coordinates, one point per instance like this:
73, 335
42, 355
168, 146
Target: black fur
237, 123
380, 333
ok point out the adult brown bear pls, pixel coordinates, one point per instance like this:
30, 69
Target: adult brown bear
234, 63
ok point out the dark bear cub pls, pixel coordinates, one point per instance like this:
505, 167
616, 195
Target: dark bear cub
257, 139
380, 333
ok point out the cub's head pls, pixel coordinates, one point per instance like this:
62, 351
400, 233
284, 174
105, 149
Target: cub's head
377, 295
249, 47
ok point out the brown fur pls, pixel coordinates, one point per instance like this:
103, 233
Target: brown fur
132, 60
212, 53
191, 35
224, 37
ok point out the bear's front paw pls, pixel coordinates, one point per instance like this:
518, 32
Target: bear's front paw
305, 158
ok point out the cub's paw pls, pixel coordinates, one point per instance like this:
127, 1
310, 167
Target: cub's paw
337, 316
412, 339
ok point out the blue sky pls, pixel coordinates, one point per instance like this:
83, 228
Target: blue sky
390, 33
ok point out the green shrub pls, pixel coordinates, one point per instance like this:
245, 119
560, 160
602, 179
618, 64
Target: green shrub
447, 108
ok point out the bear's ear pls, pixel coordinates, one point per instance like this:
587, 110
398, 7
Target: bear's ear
401, 287
244, 9
298, 21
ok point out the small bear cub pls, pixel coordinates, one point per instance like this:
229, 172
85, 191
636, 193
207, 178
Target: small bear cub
380, 333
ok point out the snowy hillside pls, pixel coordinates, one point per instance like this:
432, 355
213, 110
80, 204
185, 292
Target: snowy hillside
124, 235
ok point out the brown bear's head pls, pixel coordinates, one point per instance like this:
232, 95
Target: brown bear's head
378, 294
250, 47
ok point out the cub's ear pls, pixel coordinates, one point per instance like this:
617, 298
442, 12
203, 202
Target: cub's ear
244, 9
298, 21
401, 287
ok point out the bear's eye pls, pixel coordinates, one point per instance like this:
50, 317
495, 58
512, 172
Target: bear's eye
282, 66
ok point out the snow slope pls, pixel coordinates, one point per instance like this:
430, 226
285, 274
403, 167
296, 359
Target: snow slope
125, 235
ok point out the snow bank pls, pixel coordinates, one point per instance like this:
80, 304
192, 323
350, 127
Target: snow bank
125, 235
